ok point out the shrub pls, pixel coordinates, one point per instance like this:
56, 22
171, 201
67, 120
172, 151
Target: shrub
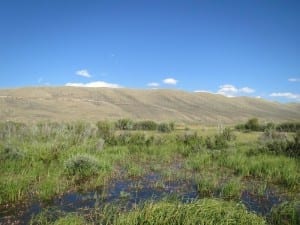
220, 142
286, 213
123, 138
105, 129
82, 165
124, 124
209, 143
240, 127
100, 145
138, 139
288, 126
191, 139
252, 124
164, 127
10, 153
293, 147
278, 143
10, 129
228, 135
145, 125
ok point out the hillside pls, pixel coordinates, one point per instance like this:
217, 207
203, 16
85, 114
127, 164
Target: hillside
93, 104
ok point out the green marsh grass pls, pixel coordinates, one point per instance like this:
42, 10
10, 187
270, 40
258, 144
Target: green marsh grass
207, 186
49, 159
231, 189
206, 211
203, 212
276, 169
285, 213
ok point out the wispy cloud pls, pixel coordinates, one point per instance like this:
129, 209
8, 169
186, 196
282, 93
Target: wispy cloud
171, 81
94, 84
230, 90
83, 73
203, 91
294, 79
246, 90
153, 84
287, 95
40, 80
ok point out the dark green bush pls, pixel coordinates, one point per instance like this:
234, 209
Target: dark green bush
252, 124
288, 126
138, 138
10, 153
278, 143
165, 127
145, 125
240, 127
124, 124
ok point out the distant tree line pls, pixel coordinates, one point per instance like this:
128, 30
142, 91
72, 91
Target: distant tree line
128, 124
254, 125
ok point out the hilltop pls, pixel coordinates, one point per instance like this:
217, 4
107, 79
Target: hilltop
93, 104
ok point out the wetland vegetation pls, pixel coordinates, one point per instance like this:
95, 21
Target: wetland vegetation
128, 172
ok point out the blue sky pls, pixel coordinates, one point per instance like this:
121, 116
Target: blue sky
234, 48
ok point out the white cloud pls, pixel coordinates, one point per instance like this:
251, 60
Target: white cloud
203, 91
294, 79
287, 95
83, 73
246, 90
227, 90
171, 81
153, 84
230, 90
94, 84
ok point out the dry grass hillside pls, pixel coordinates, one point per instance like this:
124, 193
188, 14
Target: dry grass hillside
93, 104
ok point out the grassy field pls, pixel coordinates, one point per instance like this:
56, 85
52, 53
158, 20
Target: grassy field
168, 175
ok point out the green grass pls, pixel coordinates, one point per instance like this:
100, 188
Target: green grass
206, 211
203, 212
276, 169
286, 213
231, 189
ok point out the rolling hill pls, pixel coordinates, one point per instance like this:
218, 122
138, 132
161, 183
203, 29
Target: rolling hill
93, 104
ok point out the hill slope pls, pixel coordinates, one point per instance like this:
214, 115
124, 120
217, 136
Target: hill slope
93, 104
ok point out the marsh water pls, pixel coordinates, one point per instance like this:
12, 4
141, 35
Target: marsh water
128, 193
